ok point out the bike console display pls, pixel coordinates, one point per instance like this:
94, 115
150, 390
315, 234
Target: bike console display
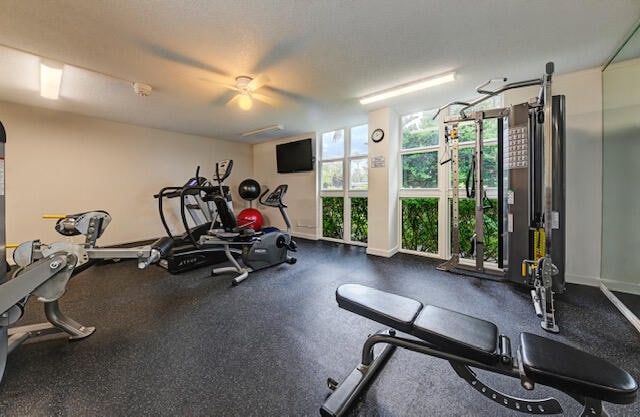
275, 198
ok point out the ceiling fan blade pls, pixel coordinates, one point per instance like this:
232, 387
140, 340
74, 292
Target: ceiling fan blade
257, 82
233, 101
230, 87
266, 99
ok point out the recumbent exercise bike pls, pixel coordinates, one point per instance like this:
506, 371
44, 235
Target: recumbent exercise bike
259, 250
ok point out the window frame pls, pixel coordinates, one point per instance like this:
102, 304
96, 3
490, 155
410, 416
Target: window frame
346, 192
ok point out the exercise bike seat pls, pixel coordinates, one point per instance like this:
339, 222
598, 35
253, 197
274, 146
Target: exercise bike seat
558, 365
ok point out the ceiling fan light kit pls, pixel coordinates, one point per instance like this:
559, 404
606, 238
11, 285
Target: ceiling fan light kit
245, 102
408, 88
245, 88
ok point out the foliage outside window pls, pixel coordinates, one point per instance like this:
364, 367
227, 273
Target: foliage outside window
359, 228
420, 224
467, 225
332, 176
359, 174
419, 150
333, 217
420, 170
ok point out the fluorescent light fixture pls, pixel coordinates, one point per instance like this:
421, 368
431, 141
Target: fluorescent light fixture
408, 88
50, 79
268, 129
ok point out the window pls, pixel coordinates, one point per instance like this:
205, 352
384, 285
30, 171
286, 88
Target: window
426, 185
343, 184
419, 195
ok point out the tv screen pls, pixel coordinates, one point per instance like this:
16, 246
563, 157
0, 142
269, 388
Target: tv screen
294, 156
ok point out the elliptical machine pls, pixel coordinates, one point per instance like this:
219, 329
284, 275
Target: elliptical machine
196, 199
259, 250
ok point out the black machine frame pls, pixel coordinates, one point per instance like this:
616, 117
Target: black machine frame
531, 192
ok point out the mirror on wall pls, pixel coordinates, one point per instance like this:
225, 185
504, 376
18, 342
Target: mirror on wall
621, 177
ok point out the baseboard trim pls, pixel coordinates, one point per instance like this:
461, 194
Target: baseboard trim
304, 236
627, 287
628, 314
386, 253
582, 280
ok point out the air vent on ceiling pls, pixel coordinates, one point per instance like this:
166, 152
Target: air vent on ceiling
274, 131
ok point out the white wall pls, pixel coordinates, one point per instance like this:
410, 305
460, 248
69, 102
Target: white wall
621, 148
301, 195
383, 185
583, 91
63, 163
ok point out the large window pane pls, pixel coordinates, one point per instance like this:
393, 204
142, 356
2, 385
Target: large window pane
359, 174
333, 217
333, 144
359, 219
420, 170
467, 131
332, 176
489, 166
467, 225
420, 224
359, 140
418, 130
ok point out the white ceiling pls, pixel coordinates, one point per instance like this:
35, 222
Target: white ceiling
320, 55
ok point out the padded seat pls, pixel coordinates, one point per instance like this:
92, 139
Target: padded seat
389, 309
555, 364
458, 333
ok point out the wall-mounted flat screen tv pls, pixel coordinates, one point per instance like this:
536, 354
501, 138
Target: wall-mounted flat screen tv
294, 156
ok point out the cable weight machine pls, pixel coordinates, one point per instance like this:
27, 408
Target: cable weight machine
531, 197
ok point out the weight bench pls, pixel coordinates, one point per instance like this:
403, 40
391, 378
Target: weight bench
468, 342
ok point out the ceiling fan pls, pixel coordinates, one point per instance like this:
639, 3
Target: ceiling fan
246, 87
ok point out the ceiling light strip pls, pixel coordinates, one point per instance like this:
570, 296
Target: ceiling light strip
50, 79
409, 88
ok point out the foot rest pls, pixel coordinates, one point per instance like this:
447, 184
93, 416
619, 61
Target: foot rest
464, 335
561, 366
389, 309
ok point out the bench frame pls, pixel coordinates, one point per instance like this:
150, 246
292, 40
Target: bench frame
346, 393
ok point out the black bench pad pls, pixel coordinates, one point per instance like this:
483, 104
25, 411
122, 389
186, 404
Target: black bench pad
558, 365
458, 333
389, 309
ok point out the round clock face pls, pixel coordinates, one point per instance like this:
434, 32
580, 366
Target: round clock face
377, 135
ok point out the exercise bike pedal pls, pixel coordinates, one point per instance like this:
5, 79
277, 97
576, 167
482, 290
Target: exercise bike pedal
292, 247
291, 261
332, 384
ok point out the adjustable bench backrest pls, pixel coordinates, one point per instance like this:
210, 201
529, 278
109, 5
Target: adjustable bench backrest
545, 361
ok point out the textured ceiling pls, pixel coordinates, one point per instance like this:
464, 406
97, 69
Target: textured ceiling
320, 55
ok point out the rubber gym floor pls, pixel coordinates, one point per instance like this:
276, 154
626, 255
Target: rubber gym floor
192, 345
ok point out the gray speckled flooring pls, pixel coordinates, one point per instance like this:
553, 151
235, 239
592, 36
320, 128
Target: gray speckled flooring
632, 301
192, 345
